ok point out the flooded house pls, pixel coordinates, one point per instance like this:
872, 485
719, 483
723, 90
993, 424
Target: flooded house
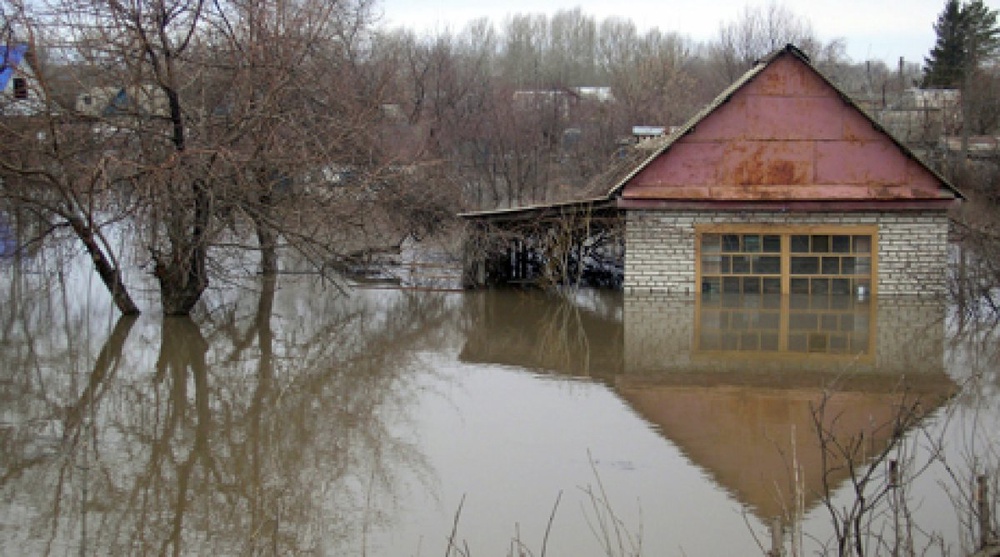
781, 185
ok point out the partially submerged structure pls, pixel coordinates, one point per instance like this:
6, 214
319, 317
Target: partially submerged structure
781, 185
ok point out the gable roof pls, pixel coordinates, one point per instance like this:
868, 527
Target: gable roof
10, 58
752, 185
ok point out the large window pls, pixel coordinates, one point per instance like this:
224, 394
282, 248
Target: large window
805, 260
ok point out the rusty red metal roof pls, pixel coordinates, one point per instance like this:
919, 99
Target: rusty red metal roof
784, 133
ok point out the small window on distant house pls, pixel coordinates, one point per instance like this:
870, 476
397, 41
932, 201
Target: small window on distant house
20, 88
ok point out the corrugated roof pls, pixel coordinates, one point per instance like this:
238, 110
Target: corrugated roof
10, 58
746, 78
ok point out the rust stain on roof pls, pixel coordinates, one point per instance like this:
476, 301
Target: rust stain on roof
783, 132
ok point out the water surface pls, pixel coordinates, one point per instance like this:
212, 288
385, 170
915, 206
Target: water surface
294, 419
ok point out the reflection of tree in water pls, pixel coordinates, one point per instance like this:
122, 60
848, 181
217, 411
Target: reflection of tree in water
277, 432
544, 332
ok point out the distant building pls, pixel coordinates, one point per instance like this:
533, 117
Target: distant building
144, 100
937, 99
19, 91
563, 100
923, 115
640, 133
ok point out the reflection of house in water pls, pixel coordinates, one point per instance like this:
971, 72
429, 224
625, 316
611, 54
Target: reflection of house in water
732, 381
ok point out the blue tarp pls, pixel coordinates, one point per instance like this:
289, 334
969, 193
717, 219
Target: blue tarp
10, 58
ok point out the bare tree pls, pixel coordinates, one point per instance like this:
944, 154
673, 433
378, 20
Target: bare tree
758, 31
228, 121
647, 74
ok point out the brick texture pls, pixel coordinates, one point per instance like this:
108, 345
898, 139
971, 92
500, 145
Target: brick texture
912, 247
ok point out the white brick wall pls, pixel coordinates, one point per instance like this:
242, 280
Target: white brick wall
912, 246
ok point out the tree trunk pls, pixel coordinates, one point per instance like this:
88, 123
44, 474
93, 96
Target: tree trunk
180, 286
266, 238
110, 275
182, 274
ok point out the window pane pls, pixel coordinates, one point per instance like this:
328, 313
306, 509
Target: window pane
772, 286
800, 244
838, 343
770, 320
749, 341
731, 242
820, 244
20, 87
741, 264
711, 285
726, 265
831, 265
751, 285
805, 265
821, 286
859, 344
730, 342
841, 244
847, 324
731, 285
770, 265
847, 266
799, 286
817, 342
711, 264
828, 322
862, 288
863, 266
739, 321
862, 244
711, 243
803, 321
751, 243
841, 286
841, 302
797, 343
819, 300
772, 243
769, 341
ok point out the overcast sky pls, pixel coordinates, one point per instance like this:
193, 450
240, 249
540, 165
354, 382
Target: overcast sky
873, 29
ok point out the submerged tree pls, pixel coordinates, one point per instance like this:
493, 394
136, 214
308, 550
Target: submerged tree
208, 123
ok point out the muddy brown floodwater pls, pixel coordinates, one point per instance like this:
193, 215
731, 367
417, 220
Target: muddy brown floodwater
292, 419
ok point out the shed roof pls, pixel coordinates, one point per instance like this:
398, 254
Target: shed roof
782, 132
